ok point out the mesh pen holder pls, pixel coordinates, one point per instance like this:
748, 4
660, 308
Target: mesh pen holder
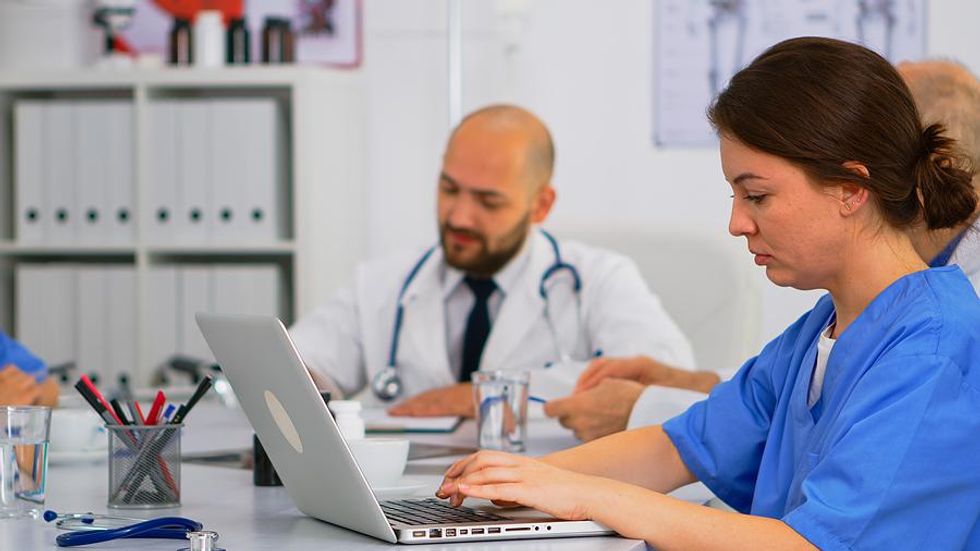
144, 466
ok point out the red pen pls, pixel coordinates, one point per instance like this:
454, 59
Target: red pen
154, 416
139, 412
98, 396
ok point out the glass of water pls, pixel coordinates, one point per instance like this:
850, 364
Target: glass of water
23, 460
501, 409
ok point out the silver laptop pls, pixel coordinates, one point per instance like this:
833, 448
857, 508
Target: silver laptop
315, 464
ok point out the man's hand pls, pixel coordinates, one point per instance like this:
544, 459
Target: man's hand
646, 371
601, 410
450, 400
17, 388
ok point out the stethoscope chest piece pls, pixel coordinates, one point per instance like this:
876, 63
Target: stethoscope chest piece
202, 541
386, 384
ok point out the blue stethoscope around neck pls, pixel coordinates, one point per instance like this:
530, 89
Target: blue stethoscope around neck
387, 384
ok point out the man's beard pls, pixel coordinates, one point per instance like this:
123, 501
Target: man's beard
486, 263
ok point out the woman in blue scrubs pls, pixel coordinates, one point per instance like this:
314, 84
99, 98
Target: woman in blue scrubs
23, 376
859, 426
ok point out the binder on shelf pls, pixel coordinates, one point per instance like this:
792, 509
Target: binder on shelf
91, 171
29, 185
59, 172
45, 310
163, 172
90, 322
194, 295
159, 323
263, 183
120, 138
247, 289
247, 175
121, 356
193, 215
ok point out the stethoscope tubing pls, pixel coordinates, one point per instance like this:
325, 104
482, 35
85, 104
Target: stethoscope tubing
158, 528
389, 374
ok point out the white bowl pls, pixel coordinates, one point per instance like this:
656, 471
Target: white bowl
382, 460
75, 430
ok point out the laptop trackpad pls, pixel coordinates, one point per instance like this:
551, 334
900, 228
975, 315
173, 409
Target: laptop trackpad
512, 513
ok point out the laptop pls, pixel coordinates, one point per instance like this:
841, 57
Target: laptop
316, 466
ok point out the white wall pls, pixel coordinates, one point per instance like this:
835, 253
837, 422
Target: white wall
586, 68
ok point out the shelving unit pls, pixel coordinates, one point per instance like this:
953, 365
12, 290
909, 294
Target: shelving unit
324, 229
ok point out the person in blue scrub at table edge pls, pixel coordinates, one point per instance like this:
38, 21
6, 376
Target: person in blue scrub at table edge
613, 394
857, 427
23, 377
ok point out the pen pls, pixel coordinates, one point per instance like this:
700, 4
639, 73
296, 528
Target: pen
98, 397
120, 412
537, 399
183, 410
168, 412
154, 416
138, 417
100, 409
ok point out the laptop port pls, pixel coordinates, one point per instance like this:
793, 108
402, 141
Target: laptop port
493, 530
463, 531
435, 533
518, 529
477, 531
450, 532
418, 534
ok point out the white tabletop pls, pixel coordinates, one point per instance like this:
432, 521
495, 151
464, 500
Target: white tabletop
258, 518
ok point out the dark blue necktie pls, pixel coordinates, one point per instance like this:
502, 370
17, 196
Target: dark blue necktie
477, 326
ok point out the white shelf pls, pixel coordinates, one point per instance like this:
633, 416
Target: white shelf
325, 204
11, 248
174, 77
285, 248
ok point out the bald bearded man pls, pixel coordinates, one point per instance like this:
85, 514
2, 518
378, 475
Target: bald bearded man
495, 293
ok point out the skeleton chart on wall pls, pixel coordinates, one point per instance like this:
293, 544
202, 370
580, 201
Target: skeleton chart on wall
700, 44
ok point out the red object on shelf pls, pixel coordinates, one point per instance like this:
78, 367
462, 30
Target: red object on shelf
187, 9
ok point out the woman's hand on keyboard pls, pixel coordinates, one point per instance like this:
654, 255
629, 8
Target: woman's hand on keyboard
511, 480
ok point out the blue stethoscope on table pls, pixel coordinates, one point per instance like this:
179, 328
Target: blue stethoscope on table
387, 384
90, 528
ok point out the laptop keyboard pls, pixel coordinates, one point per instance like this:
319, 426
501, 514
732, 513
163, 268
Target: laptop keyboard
432, 511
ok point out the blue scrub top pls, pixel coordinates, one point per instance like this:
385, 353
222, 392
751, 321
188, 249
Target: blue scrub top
888, 457
12, 352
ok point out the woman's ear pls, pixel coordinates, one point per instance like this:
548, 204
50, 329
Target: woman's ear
854, 196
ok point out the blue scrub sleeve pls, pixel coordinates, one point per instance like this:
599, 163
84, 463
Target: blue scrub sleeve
12, 352
894, 474
721, 439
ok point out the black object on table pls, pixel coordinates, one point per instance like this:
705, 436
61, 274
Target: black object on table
263, 471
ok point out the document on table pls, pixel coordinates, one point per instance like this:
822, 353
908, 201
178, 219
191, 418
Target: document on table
377, 420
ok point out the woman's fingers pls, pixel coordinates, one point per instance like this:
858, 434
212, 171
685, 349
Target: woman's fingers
473, 463
509, 492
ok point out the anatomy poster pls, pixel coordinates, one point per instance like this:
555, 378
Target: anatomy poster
700, 44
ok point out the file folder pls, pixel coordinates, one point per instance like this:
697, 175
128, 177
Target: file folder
163, 172
121, 342
247, 289
29, 171
120, 138
91, 170
59, 172
194, 293
247, 172
90, 323
159, 324
193, 215
45, 314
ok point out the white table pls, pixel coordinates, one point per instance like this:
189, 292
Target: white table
258, 518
